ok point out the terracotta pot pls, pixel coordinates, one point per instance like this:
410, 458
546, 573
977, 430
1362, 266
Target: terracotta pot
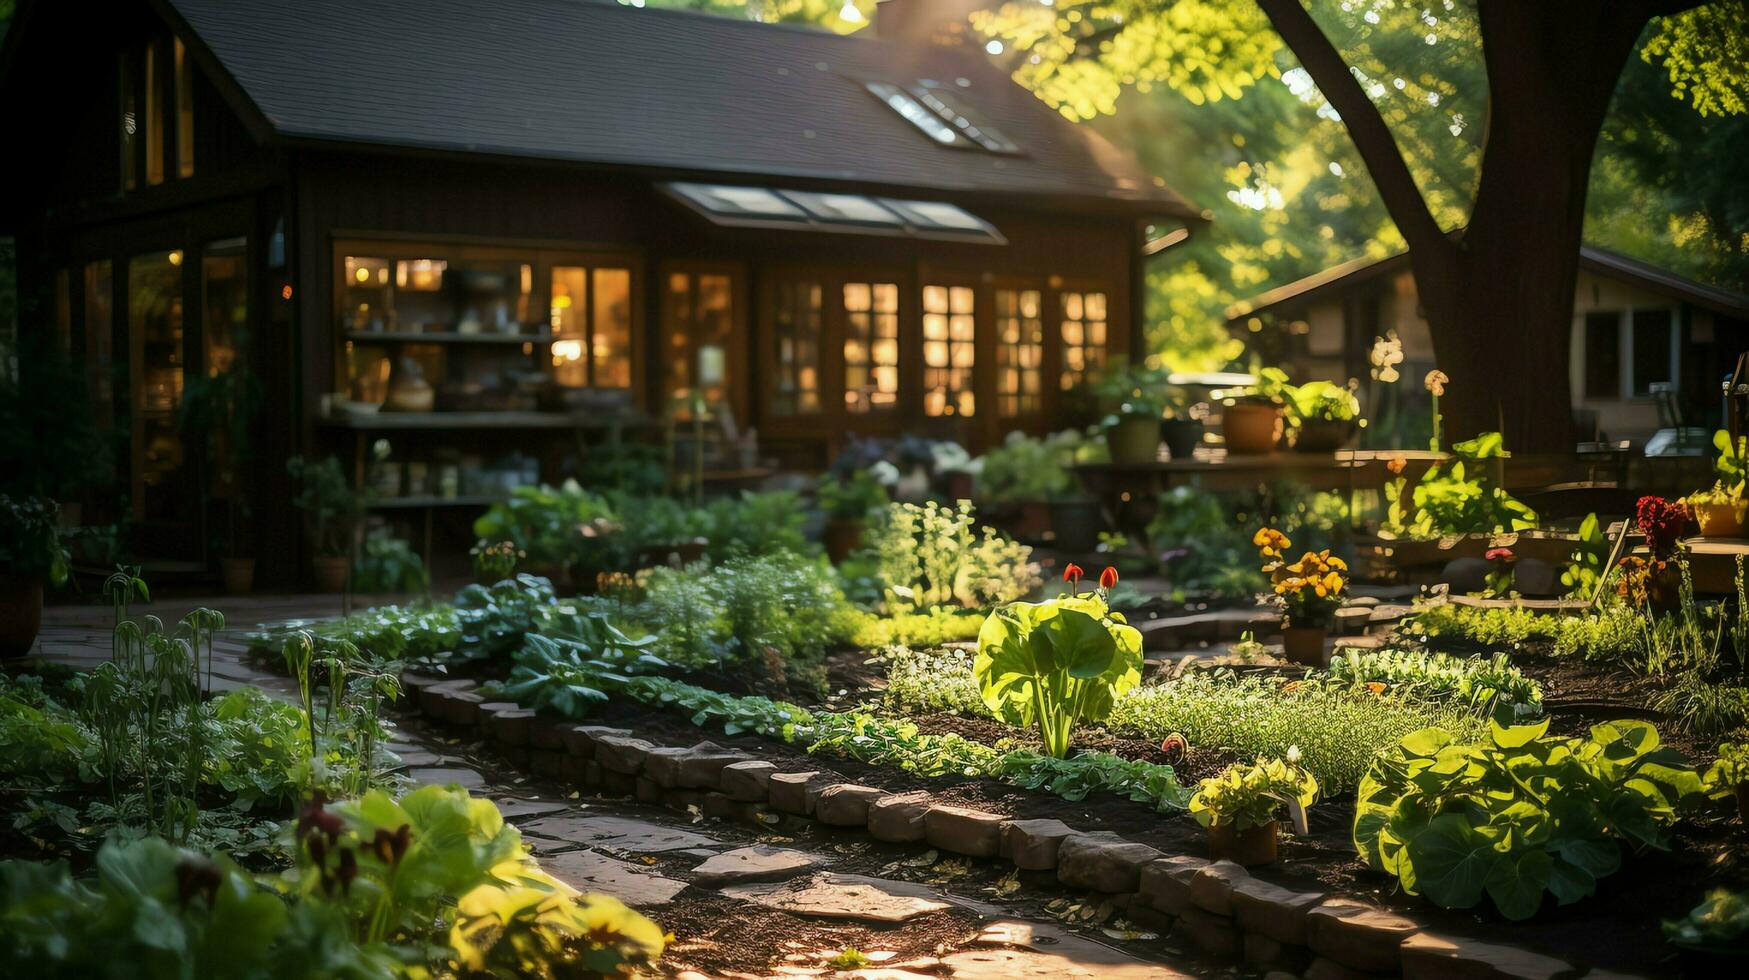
238, 574
1134, 440
1249, 847
1718, 520
1076, 524
842, 537
329, 572
1324, 435
1251, 428
21, 614
1182, 437
1304, 644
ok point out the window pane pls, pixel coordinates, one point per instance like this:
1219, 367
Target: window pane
100, 339
155, 113
871, 346
184, 113
567, 307
852, 208
1651, 349
1019, 346
1603, 355
128, 67
610, 338
1083, 334
367, 293
795, 332
949, 351
155, 324
224, 302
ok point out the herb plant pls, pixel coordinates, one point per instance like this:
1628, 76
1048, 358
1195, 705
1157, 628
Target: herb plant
929, 555
1247, 796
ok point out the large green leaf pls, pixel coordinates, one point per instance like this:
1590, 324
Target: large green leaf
1517, 880
1449, 862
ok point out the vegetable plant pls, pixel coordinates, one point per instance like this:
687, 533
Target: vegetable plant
569, 676
1519, 815
1075, 778
1057, 663
389, 564
1247, 796
1588, 561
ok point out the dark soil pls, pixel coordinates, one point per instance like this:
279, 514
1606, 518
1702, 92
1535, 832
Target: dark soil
713, 934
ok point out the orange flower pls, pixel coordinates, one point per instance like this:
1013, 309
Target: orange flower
1108, 578
1396, 464
1072, 573
1377, 687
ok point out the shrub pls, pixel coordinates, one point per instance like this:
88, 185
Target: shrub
1024, 468
756, 524
1201, 548
927, 681
1518, 814
1336, 729
929, 555
1056, 663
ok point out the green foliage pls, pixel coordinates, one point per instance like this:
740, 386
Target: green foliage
552, 525
930, 628
748, 611
570, 676
41, 740
757, 525
1202, 549
1612, 634
417, 634
1729, 771
388, 564
1717, 923
327, 499
493, 619
880, 742
1078, 776
1056, 664
852, 498
496, 561
1517, 815
1480, 682
1732, 464
1026, 469
1247, 796
29, 543
1590, 554
1702, 707
929, 555
1336, 729
921, 682
1325, 401
1703, 51
707, 708
1460, 497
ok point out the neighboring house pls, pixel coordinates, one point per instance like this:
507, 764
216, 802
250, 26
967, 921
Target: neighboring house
1634, 326
554, 211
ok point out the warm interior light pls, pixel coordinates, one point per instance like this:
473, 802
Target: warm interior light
567, 350
362, 275
175, 257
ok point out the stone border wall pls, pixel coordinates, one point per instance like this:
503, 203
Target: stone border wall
1214, 907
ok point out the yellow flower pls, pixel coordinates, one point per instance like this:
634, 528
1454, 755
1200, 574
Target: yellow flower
1436, 382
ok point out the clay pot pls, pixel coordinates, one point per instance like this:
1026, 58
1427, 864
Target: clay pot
21, 614
842, 537
329, 572
1249, 847
1077, 524
1718, 520
238, 574
1134, 440
1304, 644
1182, 436
1324, 435
1251, 428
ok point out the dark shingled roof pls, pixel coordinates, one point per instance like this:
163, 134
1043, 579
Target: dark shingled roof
599, 83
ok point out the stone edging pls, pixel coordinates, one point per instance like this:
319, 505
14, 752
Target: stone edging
1215, 907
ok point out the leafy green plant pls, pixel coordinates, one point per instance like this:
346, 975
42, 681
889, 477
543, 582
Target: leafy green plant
493, 619
1081, 775
929, 556
560, 526
1613, 633
1459, 496
1325, 401
930, 628
1201, 548
1587, 564
756, 525
29, 544
1056, 663
1729, 771
1519, 815
1477, 681
1026, 468
1247, 796
1717, 923
569, 676
852, 498
427, 635
926, 681
327, 500
1732, 464
878, 741
388, 564
706, 708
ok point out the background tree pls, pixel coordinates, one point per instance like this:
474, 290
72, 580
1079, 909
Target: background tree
1498, 278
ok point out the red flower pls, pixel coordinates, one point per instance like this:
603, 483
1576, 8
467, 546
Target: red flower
1108, 578
1501, 554
1662, 522
1072, 573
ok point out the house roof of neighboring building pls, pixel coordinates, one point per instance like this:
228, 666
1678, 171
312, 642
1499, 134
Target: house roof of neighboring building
1611, 265
669, 92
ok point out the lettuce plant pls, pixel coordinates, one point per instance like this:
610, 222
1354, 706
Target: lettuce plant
1518, 815
1056, 663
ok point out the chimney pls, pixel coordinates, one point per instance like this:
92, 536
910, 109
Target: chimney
926, 21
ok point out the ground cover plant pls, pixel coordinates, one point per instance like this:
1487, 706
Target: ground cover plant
1476, 681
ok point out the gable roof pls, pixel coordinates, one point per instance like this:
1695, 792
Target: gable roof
1602, 261
674, 92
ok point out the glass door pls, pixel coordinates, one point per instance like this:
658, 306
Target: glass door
157, 360
701, 335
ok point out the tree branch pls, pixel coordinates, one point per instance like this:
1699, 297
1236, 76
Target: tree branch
1371, 136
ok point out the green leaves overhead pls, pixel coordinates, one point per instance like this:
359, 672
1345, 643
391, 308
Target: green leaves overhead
1518, 816
1056, 663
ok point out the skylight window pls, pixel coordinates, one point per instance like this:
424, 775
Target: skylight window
852, 208
765, 207
746, 202
942, 116
937, 216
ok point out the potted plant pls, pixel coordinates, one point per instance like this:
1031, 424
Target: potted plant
496, 561
332, 509
1022, 476
1133, 427
1252, 421
848, 504
1240, 806
1326, 416
30, 554
1181, 430
1719, 511
222, 409
1308, 591
1729, 776
1655, 582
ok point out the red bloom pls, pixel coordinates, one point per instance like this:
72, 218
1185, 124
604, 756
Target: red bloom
1501, 554
1108, 578
1662, 522
1072, 573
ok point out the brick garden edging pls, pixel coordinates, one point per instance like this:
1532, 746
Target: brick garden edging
1215, 907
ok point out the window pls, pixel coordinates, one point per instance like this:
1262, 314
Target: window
100, 339
130, 119
184, 112
1020, 339
1084, 333
949, 350
845, 208
1654, 358
1603, 355
740, 202
155, 328
943, 116
591, 317
154, 85
871, 346
224, 287
798, 313
698, 324
765, 207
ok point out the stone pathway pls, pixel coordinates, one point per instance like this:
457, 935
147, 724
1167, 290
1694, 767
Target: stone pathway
681, 871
